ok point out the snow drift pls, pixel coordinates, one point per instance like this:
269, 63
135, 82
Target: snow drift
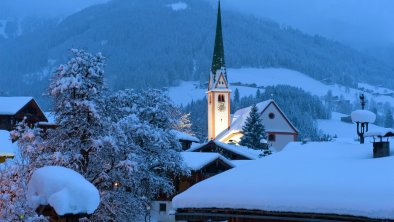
65, 190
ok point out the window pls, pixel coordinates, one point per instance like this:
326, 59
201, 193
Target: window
272, 138
221, 98
163, 207
271, 115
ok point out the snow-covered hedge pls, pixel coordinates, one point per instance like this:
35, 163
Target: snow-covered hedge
65, 190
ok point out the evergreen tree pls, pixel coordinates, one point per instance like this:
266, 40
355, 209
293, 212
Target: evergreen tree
253, 130
236, 96
388, 122
258, 94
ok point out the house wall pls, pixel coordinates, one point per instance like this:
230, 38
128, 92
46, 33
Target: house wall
278, 123
281, 140
162, 216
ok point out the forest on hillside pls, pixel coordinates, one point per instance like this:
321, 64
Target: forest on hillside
150, 45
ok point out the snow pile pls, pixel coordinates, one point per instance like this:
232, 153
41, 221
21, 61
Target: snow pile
178, 6
184, 136
363, 116
326, 177
11, 105
7, 148
197, 160
65, 190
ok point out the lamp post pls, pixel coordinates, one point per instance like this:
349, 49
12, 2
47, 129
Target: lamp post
362, 118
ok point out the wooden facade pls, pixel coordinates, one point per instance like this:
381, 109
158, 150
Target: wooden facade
242, 215
185, 182
48, 211
30, 110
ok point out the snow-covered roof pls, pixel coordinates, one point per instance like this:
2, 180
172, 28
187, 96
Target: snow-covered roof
383, 132
198, 160
184, 136
7, 148
240, 150
363, 116
240, 116
11, 105
67, 191
325, 177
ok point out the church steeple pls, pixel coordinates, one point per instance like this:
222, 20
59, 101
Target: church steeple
218, 61
218, 88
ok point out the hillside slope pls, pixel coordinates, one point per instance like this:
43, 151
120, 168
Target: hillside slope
154, 45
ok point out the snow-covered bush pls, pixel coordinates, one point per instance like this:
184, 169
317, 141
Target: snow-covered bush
65, 190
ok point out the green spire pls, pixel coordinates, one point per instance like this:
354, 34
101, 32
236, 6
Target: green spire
218, 53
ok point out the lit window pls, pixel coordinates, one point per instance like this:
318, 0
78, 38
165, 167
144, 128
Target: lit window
272, 138
271, 115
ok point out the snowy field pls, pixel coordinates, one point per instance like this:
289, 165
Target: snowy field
328, 177
188, 91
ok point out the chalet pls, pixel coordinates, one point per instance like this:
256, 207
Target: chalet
202, 166
280, 131
185, 139
317, 181
231, 152
15, 109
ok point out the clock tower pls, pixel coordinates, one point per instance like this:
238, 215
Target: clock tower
218, 88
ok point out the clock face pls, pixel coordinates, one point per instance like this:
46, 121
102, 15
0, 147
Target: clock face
221, 106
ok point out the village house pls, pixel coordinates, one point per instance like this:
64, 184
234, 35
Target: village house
15, 109
201, 166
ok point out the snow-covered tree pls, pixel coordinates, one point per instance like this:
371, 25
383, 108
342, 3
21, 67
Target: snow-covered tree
14, 176
253, 130
142, 156
76, 89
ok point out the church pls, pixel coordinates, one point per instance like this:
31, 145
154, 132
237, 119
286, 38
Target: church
227, 128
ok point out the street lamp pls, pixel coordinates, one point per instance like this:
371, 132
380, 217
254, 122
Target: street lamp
362, 118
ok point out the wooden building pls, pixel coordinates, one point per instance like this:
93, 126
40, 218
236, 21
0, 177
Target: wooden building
229, 151
14, 109
185, 139
202, 166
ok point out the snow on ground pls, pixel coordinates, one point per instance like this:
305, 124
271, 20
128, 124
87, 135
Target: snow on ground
6, 145
197, 160
65, 190
326, 177
3, 24
343, 130
178, 6
188, 91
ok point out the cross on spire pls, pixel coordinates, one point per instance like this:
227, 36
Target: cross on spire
218, 61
